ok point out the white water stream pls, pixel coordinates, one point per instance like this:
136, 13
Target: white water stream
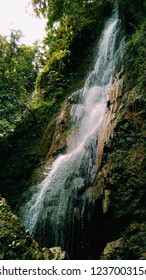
59, 201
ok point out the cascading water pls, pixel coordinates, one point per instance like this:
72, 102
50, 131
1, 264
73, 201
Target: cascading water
60, 211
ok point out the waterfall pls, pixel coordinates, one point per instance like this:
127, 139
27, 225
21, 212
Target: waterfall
59, 213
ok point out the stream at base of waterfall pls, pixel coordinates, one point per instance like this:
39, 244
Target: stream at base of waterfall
62, 210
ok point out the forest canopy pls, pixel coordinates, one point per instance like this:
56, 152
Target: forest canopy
19, 66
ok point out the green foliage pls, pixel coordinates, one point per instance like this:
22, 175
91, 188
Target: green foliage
135, 62
52, 74
134, 13
72, 28
18, 72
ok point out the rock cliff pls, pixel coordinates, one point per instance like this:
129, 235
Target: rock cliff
122, 176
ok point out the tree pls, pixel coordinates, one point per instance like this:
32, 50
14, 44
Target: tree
18, 72
72, 26
54, 10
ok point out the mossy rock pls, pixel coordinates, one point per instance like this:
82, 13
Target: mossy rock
17, 244
122, 249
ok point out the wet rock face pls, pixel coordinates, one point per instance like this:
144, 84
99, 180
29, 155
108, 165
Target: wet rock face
110, 119
59, 142
123, 177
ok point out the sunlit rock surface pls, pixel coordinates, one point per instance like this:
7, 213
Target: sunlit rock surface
111, 117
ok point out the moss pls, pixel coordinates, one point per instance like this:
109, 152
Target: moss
130, 246
122, 249
135, 63
15, 241
17, 244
